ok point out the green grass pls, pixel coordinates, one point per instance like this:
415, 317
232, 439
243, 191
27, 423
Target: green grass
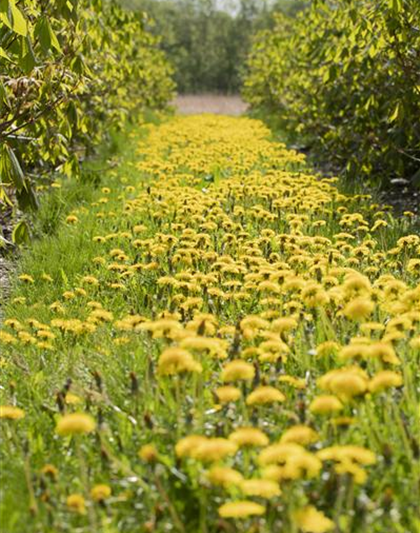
115, 372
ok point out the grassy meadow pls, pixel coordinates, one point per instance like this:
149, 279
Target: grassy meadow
209, 337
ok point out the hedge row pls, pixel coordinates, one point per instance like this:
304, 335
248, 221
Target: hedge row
69, 70
345, 76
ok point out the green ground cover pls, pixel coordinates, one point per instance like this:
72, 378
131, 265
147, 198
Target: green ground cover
210, 337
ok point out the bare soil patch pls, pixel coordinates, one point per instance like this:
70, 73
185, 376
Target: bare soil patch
192, 104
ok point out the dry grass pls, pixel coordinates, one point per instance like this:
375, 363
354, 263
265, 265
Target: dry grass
210, 103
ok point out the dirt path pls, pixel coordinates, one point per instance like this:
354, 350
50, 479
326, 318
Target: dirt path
191, 104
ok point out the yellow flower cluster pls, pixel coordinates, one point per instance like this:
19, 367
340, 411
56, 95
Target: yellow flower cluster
266, 318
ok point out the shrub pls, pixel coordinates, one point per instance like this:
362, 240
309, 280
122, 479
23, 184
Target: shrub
69, 71
345, 77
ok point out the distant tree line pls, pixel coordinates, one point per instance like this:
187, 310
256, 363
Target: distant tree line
206, 41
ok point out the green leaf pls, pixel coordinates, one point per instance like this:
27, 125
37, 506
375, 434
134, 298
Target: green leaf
396, 5
26, 198
42, 34
46, 36
64, 277
54, 41
18, 21
4, 101
28, 60
4, 13
21, 234
78, 65
72, 114
395, 114
4, 197
3, 54
15, 170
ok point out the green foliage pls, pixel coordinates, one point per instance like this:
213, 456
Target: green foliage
70, 70
345, 75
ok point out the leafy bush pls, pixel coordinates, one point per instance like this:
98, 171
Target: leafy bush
345, 75
69, 71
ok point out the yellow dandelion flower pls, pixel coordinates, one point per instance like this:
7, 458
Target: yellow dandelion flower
325, 405
26, 278
356, 284
279, 453
296, 383
7, 338
215, 347
90, 280
415, 343
385, 380
311, 520
241, 509
187, 445
302, 465
359, 309
385, 352
273, 350
357, 350
45, 334
73, 399
100, 492
265, 395
284, 325
348, 384
249, 436
214, 449
370, 327
345, 453
273, 472
327, 348
348, 467
227, 394
9, 412
254, 323
300, 434
50, 470
14, 324
263, 488
76, 503
176, 361
237, 370
75, 424
314, 295
224, 476
345, 382
101, 315
68, 295
413, 266
148, 453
